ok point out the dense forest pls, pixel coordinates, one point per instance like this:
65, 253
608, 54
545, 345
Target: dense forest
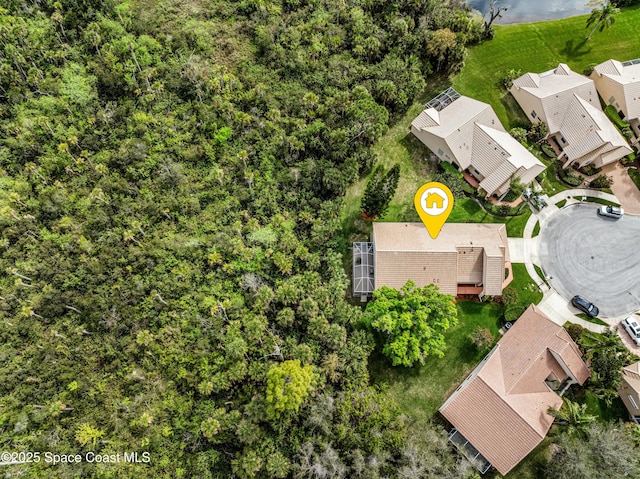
172, 265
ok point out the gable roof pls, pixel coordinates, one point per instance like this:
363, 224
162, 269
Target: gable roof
554, 91
624, 78
454, 125
501, 408
588, 131
470, 130
504, 156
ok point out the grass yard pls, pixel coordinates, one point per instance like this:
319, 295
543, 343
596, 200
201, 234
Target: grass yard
467, 210
538, 47
528, 291
598, 407
421, 390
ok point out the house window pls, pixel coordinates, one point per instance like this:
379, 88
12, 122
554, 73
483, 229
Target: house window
633, 401
612, 100
447, 157
533, 114
477, 172
564, 142
440, 152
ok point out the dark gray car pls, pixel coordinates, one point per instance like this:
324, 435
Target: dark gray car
585, 306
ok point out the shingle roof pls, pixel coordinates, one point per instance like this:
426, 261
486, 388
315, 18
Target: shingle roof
501, 408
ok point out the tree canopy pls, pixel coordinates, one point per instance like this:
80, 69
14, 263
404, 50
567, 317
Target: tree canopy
171, 177
411, 321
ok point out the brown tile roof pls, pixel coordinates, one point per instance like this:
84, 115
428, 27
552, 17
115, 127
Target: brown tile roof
461, 254
501, 408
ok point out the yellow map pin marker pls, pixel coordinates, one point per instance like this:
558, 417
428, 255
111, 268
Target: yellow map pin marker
433, 202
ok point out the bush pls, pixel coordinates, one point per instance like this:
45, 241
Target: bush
448, 167
601, 181
630, 158
509, 76
575, 331
481, 338
612, 113
537, 132
513, 312
509, 296
519, 134
548, 150
590, 170
568, 176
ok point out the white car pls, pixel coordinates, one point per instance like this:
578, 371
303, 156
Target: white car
611, 211
633, 328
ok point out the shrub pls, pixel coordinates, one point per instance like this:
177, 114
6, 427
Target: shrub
612, 113
568, 176
481, 338
627, 133
630, 158
537, 132
451, 169
548, 150
601, 181
575, 331
590, 170
513, 312
519, 134
509, 76
509, 296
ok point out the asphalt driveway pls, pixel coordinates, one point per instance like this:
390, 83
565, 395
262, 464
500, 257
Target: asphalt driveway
597, 258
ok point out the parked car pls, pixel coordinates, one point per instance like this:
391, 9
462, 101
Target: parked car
585, 306
633, 328
611, 211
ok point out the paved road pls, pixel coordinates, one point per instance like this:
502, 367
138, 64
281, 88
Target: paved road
594, 257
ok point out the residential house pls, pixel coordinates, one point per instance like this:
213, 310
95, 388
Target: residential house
467, 133
629, 390
618, 83
568, 104
464, 259
499, 413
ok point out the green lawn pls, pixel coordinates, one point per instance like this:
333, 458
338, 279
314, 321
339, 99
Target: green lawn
598, 407
528, 291
421, 390
467, 210
537, 47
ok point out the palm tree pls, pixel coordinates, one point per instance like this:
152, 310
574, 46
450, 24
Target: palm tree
573, 415
602, 17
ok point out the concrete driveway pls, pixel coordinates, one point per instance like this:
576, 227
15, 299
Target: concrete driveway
627, 192
594, 257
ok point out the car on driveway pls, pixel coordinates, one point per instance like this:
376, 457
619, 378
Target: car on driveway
611, 211
633, 328
585, 306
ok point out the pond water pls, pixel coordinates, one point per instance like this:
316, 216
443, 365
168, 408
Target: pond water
523, 11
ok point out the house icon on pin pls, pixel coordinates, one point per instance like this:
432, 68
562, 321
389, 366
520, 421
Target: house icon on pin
434, 200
